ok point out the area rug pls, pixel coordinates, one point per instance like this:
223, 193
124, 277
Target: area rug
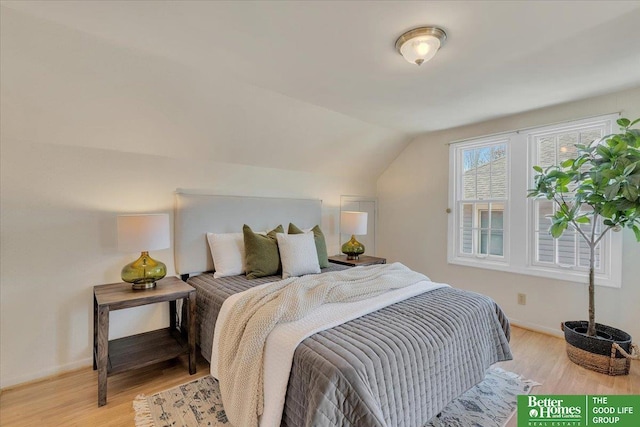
489, 404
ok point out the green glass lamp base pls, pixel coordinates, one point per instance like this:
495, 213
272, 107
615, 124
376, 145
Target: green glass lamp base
353, 249
144, 272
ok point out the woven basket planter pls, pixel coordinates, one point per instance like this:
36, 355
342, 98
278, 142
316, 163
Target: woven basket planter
609, 365
610, 352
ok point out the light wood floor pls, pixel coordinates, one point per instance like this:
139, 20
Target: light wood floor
543, 358
71, 399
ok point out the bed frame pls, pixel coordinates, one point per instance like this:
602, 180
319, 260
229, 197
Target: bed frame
198, 213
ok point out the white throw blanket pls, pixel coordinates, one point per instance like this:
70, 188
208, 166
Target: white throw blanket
239, 359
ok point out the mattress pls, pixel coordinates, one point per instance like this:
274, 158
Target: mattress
398, 366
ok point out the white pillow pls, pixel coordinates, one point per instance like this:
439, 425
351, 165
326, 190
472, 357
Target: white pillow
298, 254
227, 251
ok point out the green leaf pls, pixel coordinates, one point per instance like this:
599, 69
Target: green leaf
623, 122
608, 209
583, 220
624, 204
634, 122
629, 169
603, 151
611, 191
557, 229
636, 231
630, 192
634, 179
620, 147
595, 198
567, 163
556, 173
537, 169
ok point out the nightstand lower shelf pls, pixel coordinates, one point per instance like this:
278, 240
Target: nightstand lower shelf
145, 349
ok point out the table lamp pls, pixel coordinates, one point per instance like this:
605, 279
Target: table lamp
143, 233
353, 223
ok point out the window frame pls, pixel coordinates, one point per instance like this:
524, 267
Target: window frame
519, 217
610, 272
455, 229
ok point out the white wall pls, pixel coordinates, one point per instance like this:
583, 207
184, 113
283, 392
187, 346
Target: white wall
91, 129
59, 207
413, 197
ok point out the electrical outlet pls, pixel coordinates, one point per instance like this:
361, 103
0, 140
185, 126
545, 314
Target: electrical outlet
522, 299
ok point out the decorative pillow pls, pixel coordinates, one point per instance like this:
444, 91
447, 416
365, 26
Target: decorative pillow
261, 252
227, 251
321, 244
298, 254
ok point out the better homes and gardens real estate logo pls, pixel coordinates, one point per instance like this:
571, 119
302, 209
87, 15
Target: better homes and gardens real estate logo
579, 411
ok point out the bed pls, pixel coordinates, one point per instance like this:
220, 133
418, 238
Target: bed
398, 366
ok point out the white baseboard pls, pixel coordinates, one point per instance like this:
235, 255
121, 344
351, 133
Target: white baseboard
537, 328
11, 381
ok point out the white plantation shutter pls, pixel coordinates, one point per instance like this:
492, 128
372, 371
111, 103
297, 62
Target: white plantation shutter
552, 147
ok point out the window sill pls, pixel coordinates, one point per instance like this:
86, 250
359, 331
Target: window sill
557, 274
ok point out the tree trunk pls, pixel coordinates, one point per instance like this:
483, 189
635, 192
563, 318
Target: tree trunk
591, 330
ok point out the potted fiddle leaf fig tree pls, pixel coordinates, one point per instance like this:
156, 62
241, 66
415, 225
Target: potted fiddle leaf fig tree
595, 193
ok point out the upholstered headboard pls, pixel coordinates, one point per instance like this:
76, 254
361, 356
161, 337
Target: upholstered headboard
197, 214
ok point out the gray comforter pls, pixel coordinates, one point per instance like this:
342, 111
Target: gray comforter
398, 366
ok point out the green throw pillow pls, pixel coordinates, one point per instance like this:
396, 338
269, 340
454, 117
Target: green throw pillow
321, 244
261, 252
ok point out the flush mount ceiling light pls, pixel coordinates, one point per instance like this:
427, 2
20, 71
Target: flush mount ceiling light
420, 44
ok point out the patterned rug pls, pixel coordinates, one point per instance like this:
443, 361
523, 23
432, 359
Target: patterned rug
489, 404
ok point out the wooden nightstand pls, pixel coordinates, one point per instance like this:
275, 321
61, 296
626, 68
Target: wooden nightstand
123, 354
364, 260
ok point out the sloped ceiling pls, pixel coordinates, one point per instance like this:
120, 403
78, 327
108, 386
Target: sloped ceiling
289, 83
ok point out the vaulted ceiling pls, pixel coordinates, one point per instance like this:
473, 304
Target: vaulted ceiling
323, 78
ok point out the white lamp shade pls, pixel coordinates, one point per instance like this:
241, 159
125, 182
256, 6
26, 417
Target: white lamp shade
139, 233
353, 222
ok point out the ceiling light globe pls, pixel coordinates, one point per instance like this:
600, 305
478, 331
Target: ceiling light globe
419, 45
420, 49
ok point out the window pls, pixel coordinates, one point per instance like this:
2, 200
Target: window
482, 199
552, 147
489, 179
